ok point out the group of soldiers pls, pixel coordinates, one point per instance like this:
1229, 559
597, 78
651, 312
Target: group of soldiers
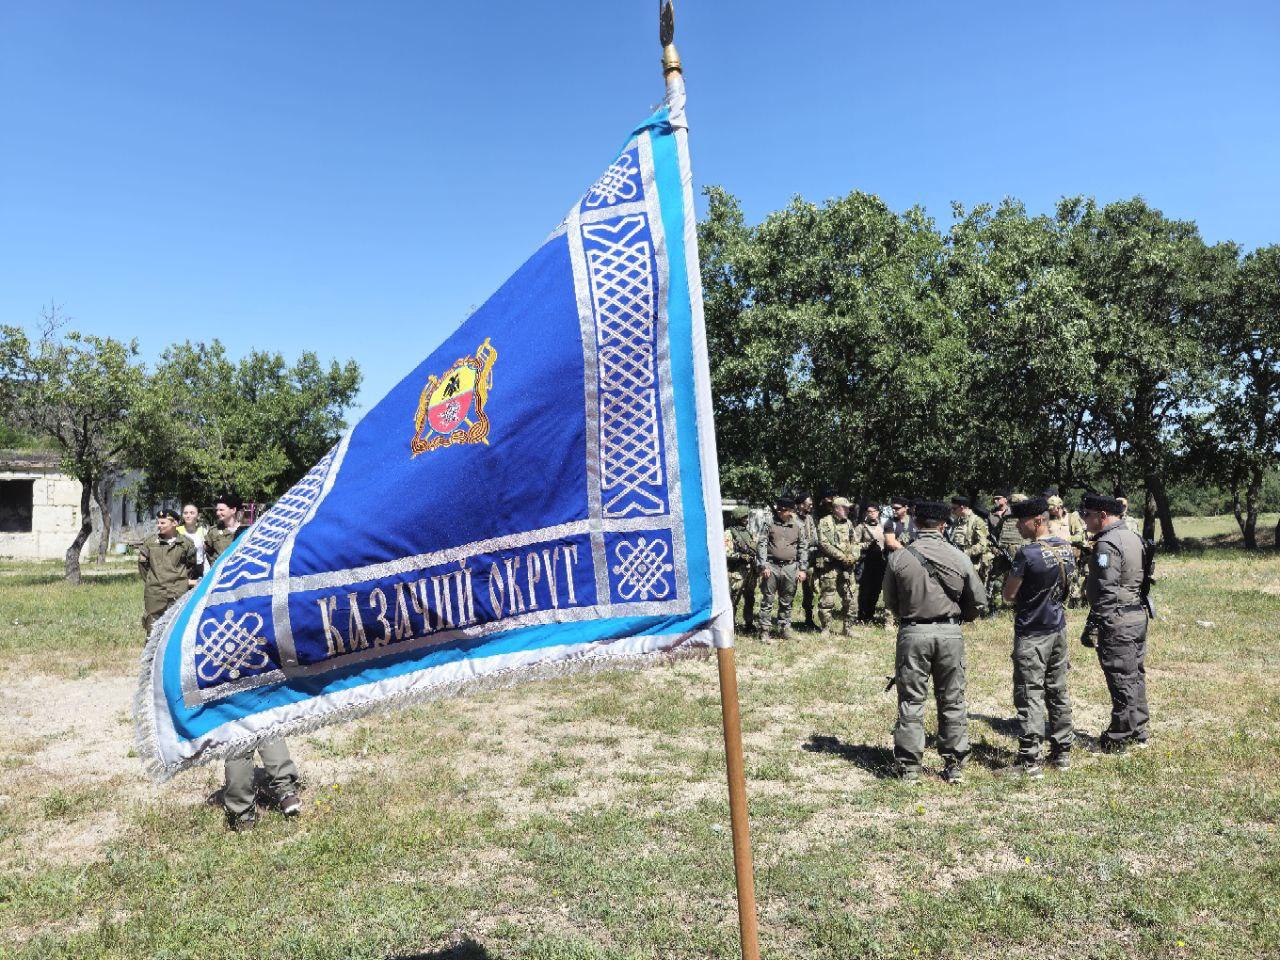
171, 561
937, 565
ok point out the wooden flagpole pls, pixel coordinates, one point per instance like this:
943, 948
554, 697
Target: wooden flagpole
743, 872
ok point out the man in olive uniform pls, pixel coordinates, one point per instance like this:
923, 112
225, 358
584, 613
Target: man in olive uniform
167, 563
968, 534
1037, 586
740, 552
837, 556
1117, 623
931, 587
809, 526
999, 510
782, 555
239, 794
757, 520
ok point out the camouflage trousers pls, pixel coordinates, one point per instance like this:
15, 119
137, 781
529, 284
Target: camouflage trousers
742, 586
1040, 666
834, 585
780, 588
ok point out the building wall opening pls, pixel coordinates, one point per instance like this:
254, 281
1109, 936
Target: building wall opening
16, 500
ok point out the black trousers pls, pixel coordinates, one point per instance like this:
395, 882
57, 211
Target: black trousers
869, 587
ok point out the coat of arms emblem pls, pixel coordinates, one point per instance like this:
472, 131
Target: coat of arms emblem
451, 408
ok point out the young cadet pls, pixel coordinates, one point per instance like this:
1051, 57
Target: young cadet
227, 509
167, 563
194, 530
782, 553
239, 795
931, 587
1038, 584
1117, 624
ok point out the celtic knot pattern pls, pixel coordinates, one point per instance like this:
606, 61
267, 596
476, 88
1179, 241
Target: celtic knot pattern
254, 558
642, 569
619, 263
230, 648
620, 183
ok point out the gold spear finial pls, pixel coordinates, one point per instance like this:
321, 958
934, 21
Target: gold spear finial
666, 36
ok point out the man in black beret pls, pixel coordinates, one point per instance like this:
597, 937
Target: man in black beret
931, 587
168, 566
1038, 585
782, 552
1116, 582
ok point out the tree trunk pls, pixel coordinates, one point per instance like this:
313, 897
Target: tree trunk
1275, 543
1251, 497
1155, 488
103, 493
86, 528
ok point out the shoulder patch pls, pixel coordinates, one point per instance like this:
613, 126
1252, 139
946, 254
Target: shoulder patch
1102, 560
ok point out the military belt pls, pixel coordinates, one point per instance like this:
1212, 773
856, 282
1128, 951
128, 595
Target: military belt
927, 620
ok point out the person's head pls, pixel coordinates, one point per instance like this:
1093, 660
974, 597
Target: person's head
1032, 516
1124, 505
840, 507
784, 508
738, 516
826, 495
931, 514
190, 515
1000, 500
804, 506
871, 513
1099, 512
901, 507
227, 508
167, 522
959, 506
1056, 507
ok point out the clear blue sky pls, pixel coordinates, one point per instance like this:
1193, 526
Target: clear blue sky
353, 178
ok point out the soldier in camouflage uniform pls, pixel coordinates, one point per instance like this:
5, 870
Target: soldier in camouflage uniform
1130, 521
1006, 542
757, 520
740, 552
968, 533
1067, 525
167, 563
837, 556
804, 514
783, 556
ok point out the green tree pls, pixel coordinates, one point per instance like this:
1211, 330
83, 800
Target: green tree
81, 391
252, 426
1154, 286
1242, 431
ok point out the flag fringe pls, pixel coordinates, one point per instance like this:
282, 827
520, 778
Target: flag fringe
692, 646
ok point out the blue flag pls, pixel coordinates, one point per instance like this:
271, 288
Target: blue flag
538, 497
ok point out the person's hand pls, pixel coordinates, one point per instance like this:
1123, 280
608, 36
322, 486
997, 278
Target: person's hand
192, 583
801, 577
765, 572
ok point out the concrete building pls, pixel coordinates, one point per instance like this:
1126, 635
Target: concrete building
40, 509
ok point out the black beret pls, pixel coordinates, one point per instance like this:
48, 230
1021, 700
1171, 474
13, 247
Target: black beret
784, 503
1097, 501
167, 512
826, 492
959, 501
899, 501
1030, 507
230, 499
932, 510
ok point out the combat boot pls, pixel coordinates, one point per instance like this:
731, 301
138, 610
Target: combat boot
846, 628
765, 636
786, 632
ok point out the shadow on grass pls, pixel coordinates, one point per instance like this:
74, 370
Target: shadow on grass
1005, 726
878, 761
468, 949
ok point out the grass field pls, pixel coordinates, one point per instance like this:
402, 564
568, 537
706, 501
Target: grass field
587, 818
